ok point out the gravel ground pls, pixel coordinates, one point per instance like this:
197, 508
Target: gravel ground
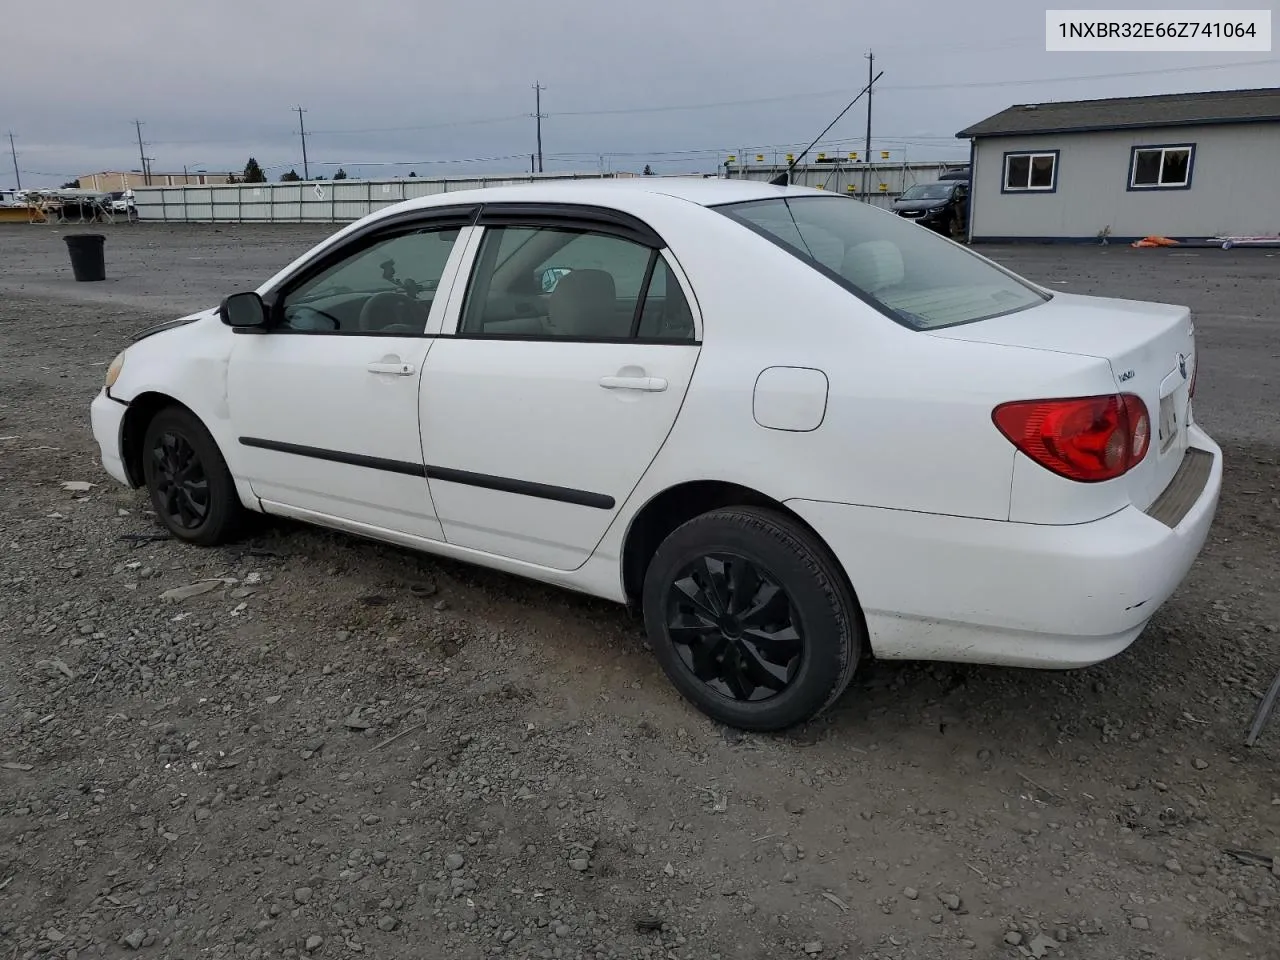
309, 745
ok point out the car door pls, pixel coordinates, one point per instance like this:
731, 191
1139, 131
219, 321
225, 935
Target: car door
324, 402
573, 347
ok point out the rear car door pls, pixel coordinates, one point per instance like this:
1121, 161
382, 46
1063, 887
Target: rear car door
574, 344
324, 403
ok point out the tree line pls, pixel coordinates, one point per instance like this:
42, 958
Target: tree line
253, 173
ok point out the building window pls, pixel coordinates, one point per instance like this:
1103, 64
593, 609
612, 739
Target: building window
1031, 172
1161, 167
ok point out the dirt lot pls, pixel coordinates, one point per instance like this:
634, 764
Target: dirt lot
345, 750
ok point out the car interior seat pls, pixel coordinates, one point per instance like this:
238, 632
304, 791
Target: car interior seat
873, 266
585, 304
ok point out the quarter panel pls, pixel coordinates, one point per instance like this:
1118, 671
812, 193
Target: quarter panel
908, 418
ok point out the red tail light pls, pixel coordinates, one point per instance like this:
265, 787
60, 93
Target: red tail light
1089, 439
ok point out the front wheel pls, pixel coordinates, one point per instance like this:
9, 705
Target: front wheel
191, 488
750, 619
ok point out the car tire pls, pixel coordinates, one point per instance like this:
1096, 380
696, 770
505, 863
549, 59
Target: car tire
191, 488
734, 657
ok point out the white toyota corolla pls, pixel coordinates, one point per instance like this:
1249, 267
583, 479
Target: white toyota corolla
797, 430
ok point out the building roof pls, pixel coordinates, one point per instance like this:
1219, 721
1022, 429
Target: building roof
155, 173
1122, 113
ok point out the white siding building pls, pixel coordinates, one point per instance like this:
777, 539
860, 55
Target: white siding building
1188, 166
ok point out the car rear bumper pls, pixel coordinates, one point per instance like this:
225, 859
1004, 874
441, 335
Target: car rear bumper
106, 416
935, 587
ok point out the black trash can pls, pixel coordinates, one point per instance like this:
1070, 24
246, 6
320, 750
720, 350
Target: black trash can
88, 261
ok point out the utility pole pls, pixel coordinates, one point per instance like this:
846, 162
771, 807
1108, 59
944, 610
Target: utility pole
306, 174
142, 155
14, 151
871, 79
538, 116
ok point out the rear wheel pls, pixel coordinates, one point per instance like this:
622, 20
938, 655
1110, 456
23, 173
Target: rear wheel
191, 488
750, 619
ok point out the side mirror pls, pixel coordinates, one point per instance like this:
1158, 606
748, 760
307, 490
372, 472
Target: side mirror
243, 310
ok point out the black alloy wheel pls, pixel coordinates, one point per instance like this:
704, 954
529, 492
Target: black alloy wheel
180, 481
750, 618
191, 488
734, 627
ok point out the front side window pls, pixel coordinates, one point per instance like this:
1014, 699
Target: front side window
1024, 172
912, 275
385, 287
553, 282
1157, 167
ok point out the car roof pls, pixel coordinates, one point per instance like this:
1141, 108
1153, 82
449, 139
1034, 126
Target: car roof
704, 191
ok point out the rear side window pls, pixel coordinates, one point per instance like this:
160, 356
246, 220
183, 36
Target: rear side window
539, 282
903, 269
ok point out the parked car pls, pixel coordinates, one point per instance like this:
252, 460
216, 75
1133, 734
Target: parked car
942, 206
121, 201
960, 174
790, 427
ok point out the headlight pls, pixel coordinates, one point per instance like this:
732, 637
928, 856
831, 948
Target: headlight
113, 371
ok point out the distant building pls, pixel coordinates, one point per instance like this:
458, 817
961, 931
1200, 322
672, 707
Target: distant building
1182, 165
133, 179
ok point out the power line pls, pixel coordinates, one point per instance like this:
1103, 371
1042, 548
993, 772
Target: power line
430, 126
399, 163
484, 121
757, 101
813, 95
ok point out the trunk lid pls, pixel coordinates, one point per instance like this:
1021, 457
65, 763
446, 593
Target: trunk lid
1151, 351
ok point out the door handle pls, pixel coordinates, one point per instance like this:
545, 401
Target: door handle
395, 369
648, 384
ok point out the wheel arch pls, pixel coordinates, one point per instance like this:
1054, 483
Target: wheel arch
674, 506
133, 428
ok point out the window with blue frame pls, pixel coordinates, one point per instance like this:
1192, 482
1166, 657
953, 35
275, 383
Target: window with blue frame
1030, 172
1162, 167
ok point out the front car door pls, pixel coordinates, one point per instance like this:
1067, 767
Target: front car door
574, 344
324, 402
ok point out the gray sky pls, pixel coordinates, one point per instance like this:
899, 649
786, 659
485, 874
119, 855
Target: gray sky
429, 84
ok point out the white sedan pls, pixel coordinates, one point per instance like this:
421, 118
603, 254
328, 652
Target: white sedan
796, 430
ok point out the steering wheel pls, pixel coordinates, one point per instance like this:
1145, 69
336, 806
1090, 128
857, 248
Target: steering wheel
387, 313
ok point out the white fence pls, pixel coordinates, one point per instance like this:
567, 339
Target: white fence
337, 201
320, 201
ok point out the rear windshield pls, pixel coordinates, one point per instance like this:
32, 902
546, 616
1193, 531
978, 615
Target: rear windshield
907, 271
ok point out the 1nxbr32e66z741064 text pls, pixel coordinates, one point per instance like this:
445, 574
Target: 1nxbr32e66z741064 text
1233, 31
